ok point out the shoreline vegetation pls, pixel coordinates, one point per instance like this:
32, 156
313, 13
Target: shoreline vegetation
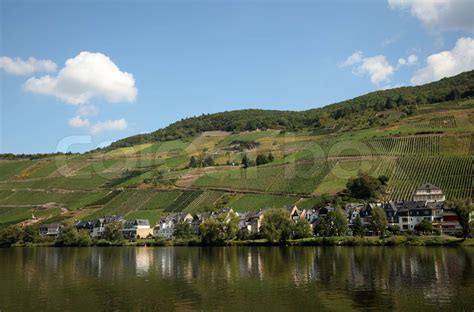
401, 240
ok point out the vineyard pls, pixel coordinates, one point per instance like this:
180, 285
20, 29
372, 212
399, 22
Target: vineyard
446, 122
454, 175
443, 122
154, 179
183, 201
252, 202
406, 146
299, 177
205, 200
71, 201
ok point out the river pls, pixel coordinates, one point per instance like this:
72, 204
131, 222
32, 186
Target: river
237, 279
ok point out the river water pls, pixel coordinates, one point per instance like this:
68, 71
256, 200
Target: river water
237, 279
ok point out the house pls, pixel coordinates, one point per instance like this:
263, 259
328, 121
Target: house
137, 228
85, 225
165, 226
450, 222
99, 224
255, 220
312, 216
296, 214
391, 212
410, 213
429, 193
227, 212
50, 230
198, 219
244, 220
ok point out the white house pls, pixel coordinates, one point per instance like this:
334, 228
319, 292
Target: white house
50, 230
429, 193
165, 226
139, 228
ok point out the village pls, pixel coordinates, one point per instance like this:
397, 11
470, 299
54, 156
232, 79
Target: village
428, 206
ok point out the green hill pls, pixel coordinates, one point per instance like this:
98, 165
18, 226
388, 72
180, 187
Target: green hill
412, 135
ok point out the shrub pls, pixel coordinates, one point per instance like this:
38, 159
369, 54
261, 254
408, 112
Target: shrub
276, 225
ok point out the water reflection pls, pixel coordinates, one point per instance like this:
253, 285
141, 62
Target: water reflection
243, 278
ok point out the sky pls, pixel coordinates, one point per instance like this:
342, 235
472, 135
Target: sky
76, 75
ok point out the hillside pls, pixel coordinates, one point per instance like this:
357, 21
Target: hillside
412, 134
360, 112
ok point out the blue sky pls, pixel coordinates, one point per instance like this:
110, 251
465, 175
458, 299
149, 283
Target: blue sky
166, 60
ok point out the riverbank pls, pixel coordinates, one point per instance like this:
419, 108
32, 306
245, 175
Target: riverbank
446, 241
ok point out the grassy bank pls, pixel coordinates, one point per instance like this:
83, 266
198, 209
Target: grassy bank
446, 241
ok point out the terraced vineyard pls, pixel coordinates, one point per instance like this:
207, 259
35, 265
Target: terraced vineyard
183, 201
435, 144
252, 202
300, 177
439, 122
455, 175
206, 200
406, 146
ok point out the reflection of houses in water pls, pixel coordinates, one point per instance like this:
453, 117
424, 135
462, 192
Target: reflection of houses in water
250, 263
143, 258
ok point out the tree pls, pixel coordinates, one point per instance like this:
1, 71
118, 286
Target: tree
211, 232
245, 161
113, 232
276, 225
463, 209
378, 220
68, 236
220, 229
383, 179
83, 238
271, 158
183, 230
208, 161
243, 234
358, 227
31, 234
10, 235
194, 162
394, 229
230, 223
261, 160
364, 186
424, 226
302, 229
333, 224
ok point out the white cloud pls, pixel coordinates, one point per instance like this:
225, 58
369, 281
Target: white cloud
19, 67
355, 58
376, 67
440, 14
412, 59
78, 122
86, 76
87, 110
109, 125
447, 63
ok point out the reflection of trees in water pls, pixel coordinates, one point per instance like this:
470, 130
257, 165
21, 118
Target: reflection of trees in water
262, 277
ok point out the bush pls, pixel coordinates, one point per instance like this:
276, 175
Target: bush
183, 230
276, 225
11, 235
113, 232
302, 229
333, 224
219, 230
